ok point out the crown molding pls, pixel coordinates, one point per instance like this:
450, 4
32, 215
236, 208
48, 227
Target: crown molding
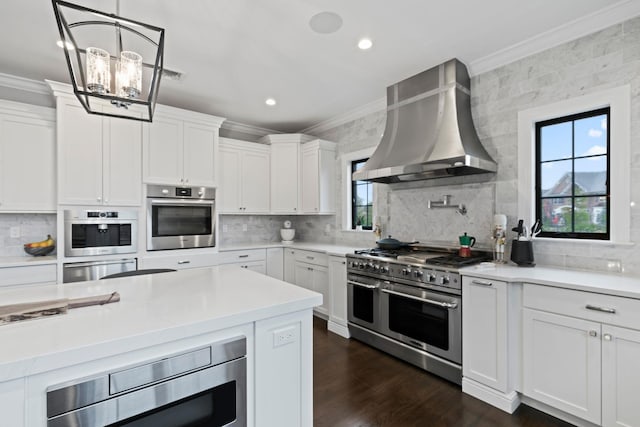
257, 131
589, 24
362, 111
286, 138
24, 84
27, 110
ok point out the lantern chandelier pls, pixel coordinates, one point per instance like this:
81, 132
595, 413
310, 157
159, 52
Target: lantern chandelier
115, 63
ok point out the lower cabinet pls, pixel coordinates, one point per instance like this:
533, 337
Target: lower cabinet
178, 262
289, 265
581, 354
253, 259
315, 278
275, 263
338, 295
28, 275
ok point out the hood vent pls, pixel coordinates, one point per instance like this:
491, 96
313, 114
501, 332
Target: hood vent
429, 131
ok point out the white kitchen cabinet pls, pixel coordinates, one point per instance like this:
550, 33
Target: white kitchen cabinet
252, 259
275, 263
28, 275
98, 157
488, 355
285, 176
289, 265
244, 177
27, 158
181, 148
581, 353
179, 261
338, 296
311, 271
318, 177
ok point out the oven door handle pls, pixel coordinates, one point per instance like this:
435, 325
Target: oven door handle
362, 285
181, 202
98, 263
449, 305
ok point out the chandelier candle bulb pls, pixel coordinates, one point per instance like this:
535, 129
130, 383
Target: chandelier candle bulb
98, 70
129, 75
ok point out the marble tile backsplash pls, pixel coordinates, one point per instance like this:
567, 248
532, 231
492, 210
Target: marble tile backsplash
32, 228
266, 228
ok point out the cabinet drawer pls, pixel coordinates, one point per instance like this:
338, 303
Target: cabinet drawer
180, 262
242, 256
601, 308
310, 257
28, 275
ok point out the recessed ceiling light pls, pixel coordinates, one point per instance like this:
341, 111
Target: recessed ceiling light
61, 45
365, 44
325, 22
270, 102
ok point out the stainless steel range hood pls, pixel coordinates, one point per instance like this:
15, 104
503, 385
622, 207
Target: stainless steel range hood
429, 131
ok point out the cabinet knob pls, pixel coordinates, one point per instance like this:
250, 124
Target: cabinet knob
99, 199
294, 209
106, 200
593, 334
607, 337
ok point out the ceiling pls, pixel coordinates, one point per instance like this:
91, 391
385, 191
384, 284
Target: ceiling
236, 53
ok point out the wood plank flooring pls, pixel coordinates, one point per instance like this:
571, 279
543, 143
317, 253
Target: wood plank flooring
355, 385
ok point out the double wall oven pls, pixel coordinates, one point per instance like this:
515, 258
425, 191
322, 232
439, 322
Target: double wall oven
180, 217
408, 303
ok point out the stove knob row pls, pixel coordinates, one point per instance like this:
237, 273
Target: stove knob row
406, 271
384, 269
418, 274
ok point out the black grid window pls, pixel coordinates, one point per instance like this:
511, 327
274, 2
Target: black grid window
361, 200
572, 175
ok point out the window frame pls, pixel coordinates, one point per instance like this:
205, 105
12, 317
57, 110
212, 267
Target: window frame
354, 206
346, 187
619, 100
572, 118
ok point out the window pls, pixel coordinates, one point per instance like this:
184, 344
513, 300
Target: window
572, 175
361, 200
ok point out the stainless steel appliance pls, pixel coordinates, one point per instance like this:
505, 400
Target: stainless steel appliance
95, 232
204, 386
180, 217
94, 270
407, 302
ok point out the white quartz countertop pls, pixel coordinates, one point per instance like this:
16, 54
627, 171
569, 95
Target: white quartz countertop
24, 261
590, 281
328, 248
153, 309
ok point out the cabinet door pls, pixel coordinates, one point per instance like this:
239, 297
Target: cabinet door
320, 277
338, 290
620, 376
290, 265
163, 151
484, 325
275, 263
229, 179
122, 162
284, 177
303, 275
27, 164
257, 266
561, 363
79, 155
310, 181
200, 154
255, 181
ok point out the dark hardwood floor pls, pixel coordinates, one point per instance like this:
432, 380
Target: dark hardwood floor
357, 385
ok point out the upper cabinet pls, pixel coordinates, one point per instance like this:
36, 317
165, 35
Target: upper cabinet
243, 177
181, 148
318, 177
27, 158
99, 158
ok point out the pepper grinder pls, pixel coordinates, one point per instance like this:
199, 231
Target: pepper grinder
499, 237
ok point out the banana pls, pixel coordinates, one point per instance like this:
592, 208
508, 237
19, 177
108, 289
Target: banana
41, 244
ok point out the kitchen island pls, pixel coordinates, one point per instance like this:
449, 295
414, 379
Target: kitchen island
159, 315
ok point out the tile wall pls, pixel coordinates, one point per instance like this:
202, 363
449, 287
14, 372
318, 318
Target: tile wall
33, 228
266, 228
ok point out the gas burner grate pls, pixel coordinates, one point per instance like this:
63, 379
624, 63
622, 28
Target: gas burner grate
456, 260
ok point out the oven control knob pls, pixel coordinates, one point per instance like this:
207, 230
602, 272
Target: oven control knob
444, 280
361, 265
369, 266
376, 268
384, 269
165, 191
418, 274
406, 271
430, 277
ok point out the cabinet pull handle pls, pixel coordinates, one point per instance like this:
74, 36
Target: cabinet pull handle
607, 337
593, 334
243, 256
184, 262
481, 283
602, 309
310, 257
344, 262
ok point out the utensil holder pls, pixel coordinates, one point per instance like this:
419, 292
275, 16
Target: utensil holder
522, 253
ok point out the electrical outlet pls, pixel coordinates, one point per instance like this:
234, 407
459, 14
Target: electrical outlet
285, 336
244, 227
225, 228
14, 232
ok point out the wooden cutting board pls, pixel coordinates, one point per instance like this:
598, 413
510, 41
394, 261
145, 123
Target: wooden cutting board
33, 310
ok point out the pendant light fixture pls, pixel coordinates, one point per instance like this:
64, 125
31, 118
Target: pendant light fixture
112, 61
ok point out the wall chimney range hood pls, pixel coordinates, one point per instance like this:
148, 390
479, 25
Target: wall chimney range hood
429, 131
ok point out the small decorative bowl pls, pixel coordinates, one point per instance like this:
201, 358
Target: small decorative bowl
41, 251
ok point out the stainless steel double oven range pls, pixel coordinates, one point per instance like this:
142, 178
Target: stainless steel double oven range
408, 303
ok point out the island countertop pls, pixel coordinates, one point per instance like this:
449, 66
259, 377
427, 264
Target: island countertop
153, 309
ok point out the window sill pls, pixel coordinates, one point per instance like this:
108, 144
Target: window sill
350, 230
585, 241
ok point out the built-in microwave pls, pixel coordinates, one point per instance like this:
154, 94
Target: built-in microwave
96, 232
180, 217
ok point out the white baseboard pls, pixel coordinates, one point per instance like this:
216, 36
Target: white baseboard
507, 402
572, 419
339, 329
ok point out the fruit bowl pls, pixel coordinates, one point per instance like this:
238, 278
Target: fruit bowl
40, 251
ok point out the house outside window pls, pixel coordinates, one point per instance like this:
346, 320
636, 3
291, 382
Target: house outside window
573, 175
361, 200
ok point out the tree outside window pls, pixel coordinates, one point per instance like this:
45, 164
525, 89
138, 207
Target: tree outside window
361, 200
